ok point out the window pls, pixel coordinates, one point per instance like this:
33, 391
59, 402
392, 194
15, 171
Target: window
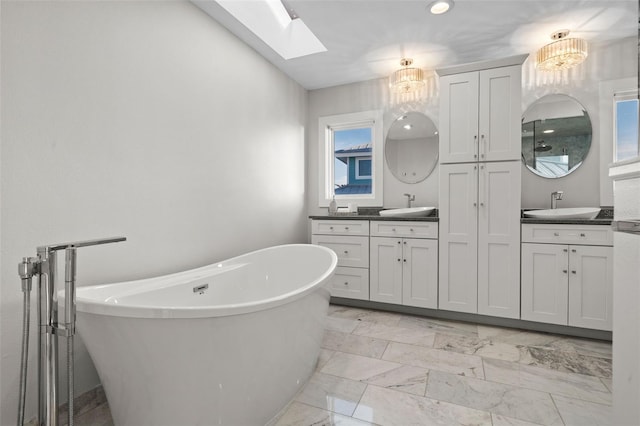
351, 159
625, 125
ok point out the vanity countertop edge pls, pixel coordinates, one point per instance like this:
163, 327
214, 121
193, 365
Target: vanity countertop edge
375, 217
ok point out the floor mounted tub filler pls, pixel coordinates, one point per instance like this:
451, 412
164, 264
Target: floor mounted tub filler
226, 344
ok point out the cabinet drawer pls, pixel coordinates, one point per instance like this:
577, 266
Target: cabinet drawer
340, 227
404, 229
593, 235
352, 283
351, 251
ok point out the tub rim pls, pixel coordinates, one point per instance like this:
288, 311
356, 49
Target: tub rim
92, 305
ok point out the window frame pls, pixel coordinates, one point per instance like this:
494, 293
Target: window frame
618, 96
326, 126
361, 176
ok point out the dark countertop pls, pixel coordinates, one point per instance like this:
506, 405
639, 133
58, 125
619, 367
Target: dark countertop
378, 217
596, 221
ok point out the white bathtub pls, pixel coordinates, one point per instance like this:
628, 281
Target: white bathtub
232, 354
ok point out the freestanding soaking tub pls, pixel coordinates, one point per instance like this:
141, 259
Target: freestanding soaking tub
226, 344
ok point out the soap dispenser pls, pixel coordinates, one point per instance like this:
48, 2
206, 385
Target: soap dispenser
333, 206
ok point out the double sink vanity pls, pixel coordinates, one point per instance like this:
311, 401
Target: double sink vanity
479, 256
391, 262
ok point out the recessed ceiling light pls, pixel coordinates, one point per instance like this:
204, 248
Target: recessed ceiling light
439, 7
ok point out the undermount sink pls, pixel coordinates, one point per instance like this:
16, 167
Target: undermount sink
565, 213
408, 212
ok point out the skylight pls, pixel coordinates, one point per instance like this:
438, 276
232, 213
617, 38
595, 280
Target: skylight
271, 22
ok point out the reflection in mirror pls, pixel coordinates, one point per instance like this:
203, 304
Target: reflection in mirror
411, 148
556, 136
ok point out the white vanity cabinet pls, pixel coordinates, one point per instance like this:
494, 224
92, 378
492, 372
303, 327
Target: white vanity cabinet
349, 239
480, 113
480, 238
404, 263
567, 275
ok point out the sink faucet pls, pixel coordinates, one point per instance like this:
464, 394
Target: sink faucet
410, 198
555, 196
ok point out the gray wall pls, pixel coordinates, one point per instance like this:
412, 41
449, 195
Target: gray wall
142, 119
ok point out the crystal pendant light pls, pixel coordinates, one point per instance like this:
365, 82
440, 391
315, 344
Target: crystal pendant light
561, 54
407, 80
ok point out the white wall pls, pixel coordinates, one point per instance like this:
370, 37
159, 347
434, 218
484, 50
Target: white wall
364, 96
142, 119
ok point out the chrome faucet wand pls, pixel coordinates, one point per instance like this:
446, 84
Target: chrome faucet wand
410, 198
555, 196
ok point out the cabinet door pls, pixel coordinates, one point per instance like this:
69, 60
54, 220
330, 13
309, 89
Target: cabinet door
499, 239
420, 273
459, 118
590, 287
545, 283
500, 114
458, 238
351, 283
386, 270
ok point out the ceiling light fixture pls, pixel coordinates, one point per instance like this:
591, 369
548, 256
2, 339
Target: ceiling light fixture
563, 53
407, 80
439, 7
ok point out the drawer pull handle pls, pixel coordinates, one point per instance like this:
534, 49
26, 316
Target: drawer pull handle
582, 234
564, 271
556, 234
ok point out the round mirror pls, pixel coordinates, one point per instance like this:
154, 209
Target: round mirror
411, 147
556, 136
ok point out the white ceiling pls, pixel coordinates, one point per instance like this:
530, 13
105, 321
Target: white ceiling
365, 39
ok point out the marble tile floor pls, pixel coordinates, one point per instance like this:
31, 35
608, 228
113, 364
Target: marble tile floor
380, 368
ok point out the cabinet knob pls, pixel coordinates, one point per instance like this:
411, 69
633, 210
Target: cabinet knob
393, 229
481, 204
346, 283
405, 260
346, 252
573, 272
331, 228
398, 242
582, 234
565, 250
573, 250
556, 234
346, 228
410, 229
405, 243
398, 260
475, 204
564, 271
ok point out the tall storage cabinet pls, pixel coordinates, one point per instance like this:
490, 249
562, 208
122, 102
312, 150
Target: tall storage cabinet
480, 115
480, 186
